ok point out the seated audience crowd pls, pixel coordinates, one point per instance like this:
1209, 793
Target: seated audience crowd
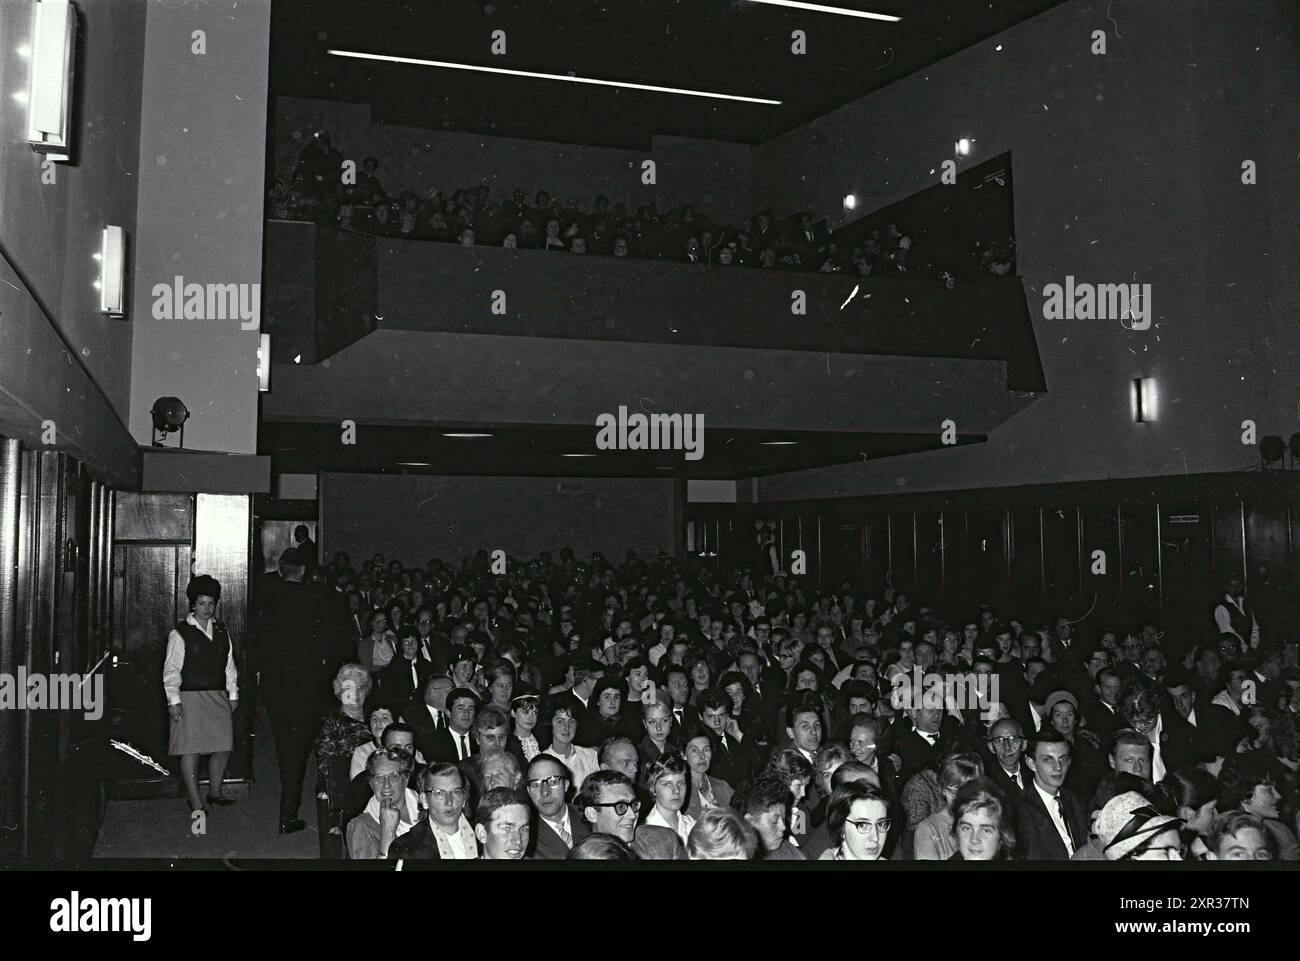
470, 216
646, 711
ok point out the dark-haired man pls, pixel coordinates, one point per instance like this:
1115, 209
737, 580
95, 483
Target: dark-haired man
406, 673
503, 824
609, 804
456, 741
1050, 819
559, 826
732, 759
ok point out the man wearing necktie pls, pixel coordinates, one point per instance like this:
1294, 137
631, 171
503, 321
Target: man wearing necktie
1051, 821
407, 673
1007, 744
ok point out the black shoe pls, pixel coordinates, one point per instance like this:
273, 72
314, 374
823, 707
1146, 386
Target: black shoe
291, 825
220, 800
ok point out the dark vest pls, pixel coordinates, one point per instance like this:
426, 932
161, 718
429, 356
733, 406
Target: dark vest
205, 660
1241, 621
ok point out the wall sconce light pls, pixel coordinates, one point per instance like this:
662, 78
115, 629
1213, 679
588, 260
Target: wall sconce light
962, 147
264, 363
112, 272
49, 100
850, 202
1145, 400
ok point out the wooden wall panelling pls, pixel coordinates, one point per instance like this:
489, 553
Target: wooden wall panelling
1061, 561
1101, 533
1141, 598
929, 555
1186, 569
1229, 542
902, 551
1272, 573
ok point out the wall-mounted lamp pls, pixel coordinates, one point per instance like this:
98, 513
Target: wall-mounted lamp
962, 147
850, 202
112, 272
264, 363
1145, 400
49, 98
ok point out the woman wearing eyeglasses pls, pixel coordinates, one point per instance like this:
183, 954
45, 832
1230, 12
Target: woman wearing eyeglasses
1129, 828
858, 820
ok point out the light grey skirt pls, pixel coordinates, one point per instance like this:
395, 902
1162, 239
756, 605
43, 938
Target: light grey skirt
205, 726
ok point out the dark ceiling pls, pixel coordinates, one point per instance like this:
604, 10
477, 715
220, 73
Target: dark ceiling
537, 451
726, 46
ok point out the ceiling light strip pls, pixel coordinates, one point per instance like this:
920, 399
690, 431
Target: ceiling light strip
823, 8
551, 76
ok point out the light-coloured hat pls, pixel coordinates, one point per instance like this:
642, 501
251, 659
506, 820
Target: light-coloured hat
1127, 822
1056, 697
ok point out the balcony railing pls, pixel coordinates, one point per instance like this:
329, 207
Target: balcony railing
326, 287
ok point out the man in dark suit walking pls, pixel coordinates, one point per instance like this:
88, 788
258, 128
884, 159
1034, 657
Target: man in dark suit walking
559, 826
296, 638
1050, 820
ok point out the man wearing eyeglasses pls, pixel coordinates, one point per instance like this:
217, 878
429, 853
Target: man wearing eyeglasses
559, 826
609, 805
1006, 743
445, 834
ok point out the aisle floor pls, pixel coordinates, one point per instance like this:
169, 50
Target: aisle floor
162, 828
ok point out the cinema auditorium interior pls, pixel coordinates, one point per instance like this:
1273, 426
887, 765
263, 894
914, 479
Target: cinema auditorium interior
583, 430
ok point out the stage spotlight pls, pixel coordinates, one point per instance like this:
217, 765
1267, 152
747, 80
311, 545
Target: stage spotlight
1271, 449
169, 415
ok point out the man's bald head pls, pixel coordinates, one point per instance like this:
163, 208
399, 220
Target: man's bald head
1007, 727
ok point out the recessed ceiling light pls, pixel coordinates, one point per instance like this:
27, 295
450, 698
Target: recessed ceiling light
412, 463
623, 84
466, 436
577, 455
779, 443
822, 8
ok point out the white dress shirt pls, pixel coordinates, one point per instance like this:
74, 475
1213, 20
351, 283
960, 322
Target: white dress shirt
684, 823
174, 663
580, 762
1054, 812
563, 827
1158, 770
